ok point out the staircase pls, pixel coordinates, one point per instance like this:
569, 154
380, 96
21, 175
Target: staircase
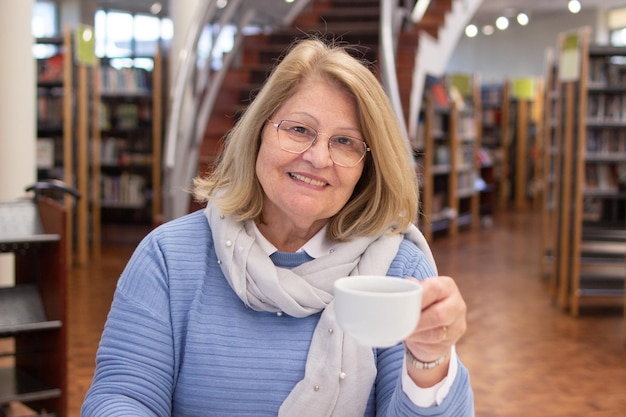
355, 22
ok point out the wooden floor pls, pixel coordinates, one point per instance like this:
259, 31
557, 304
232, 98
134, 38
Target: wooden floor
526, 357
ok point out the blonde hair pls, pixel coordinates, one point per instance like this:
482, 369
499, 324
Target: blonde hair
386, 195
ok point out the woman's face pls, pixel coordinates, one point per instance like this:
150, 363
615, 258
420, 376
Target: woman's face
305, 190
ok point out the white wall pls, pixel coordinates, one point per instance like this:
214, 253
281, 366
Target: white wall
17, 110
519, 51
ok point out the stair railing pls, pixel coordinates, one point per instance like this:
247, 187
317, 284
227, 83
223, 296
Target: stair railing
392, 16
196, 87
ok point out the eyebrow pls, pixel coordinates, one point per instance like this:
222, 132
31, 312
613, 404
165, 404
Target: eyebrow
358, 131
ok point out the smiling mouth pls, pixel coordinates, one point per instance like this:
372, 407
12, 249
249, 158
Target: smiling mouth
307, 180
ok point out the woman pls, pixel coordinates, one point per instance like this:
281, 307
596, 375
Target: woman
228, 311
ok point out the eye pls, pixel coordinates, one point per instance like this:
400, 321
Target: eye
301, 130
298, 129
346, 142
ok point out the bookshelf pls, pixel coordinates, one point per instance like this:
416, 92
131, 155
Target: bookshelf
55, 124
465, 91
446, 150
592, 224
551, 160
33, 332
131, 144
494, 107
433, 151
522, 148
66, 109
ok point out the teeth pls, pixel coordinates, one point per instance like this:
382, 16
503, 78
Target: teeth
308, 180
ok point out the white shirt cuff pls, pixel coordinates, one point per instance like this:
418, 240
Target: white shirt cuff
429, 397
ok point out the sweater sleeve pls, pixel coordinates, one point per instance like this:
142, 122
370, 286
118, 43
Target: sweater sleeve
134, 365
390, 399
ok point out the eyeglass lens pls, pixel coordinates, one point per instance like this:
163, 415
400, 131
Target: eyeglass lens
296, 137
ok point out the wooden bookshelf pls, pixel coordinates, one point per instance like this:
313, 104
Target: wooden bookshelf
55, 125
592, 223
33, 314
436, 180
67, 109
449, 167
494, 107
551, 160
522, 147
131, 144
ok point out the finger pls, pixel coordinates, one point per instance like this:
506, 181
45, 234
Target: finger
433, 342
435, 289
448, 333
433, 336
447, 308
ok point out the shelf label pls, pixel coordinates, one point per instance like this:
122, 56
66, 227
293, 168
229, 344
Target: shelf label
85, 45
463, 82
523, 88
569, 60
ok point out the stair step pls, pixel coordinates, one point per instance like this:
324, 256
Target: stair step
258, 74
248, 92
347, 15
353, 22
432, 30
337, 4
349, 31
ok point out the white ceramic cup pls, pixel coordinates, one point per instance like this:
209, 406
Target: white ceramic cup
377, 311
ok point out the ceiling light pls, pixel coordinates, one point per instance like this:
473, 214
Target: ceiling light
574, 6
471, 31
502, 23
488, 30
156, 8
522, 19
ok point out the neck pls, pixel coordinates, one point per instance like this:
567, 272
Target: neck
286, 238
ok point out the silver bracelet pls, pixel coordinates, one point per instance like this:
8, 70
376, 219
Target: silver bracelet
423, 365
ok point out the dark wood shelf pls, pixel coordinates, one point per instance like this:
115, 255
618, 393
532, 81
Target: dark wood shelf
21, 311
16, 385
33, 311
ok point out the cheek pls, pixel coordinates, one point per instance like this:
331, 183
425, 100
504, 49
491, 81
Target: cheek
354, 179
261, 165
265, 162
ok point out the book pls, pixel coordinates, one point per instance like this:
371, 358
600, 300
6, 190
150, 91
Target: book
45, 153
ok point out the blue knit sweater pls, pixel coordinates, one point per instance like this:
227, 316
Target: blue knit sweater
179, 342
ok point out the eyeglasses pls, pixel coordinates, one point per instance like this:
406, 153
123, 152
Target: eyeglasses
296, 137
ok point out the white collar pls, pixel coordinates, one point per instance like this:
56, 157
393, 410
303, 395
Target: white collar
315, 247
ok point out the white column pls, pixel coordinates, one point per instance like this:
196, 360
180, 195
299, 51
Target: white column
182, 13
17, 109
18, 99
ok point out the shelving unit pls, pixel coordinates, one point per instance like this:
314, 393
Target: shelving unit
55, 120
495, 112
447, 151
436, 181
67, 109
522, 147
592, 232
467, 163
551, 161
33, 334
131, 144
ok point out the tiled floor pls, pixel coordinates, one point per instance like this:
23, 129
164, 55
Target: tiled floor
526, 357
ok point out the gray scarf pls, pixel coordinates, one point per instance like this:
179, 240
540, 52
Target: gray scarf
339, 372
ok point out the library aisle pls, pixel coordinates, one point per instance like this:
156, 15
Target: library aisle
526, 356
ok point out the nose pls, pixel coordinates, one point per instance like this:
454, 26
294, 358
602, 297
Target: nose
319, 152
